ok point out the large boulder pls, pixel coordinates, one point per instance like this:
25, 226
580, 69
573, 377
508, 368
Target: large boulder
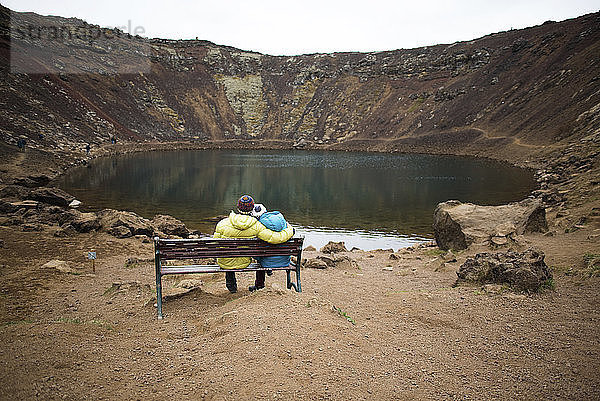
52, 196
525, 271
170, 225
124, 224
457, 225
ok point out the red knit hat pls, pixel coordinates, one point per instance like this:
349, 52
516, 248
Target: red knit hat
245, 204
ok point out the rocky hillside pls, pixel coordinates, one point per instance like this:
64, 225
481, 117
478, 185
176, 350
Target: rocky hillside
507, 95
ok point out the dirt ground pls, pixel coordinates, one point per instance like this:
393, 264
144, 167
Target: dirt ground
381, 327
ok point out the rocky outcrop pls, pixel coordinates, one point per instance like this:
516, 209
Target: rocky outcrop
52, 196
525, 271
457, 225
443, 98
169, 225
123, 224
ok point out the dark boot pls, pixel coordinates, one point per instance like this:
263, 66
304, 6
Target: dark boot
259, 282
231, 282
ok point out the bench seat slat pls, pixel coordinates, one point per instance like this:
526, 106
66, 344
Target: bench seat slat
184, 269
224, 253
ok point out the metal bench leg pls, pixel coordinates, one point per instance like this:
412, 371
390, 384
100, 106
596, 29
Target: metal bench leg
158, 286
298, 286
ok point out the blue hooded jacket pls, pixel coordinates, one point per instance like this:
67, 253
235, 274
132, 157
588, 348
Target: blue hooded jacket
274, 221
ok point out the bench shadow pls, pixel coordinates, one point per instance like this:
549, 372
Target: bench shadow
199, 297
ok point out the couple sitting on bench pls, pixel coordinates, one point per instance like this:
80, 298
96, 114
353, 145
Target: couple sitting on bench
253, 221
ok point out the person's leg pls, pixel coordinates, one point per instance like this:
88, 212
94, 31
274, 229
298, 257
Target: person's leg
230, 281
259, 282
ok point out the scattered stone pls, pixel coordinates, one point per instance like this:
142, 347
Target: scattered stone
27, 204
60, 265
75, 204
393, 256
334, 247
329, 261
449, 257
120, 232
499, 240
388, 269
277, 288
310, 248
190, 283
315, 264
29, 227
65, 231
458, 225
130, 262
1, 243
525, 271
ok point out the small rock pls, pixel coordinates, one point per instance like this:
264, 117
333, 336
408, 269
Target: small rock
393, 256
29, 227
75, 204
315, 264
120, 232
334, 247
388, 269
60, 265
310, 248
499, 241
277, 288
190, 283
66, 231
330, 262
28, 204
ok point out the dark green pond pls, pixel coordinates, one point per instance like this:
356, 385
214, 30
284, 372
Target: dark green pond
368, 200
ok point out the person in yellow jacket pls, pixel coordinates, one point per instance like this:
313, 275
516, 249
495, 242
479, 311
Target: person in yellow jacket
243, 225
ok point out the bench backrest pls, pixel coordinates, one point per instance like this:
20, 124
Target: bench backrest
169, 249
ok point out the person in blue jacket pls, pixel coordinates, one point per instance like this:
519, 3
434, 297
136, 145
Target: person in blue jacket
276, 222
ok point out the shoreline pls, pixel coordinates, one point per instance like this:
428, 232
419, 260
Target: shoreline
111, 151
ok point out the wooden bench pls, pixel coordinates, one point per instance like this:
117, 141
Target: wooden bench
167, 251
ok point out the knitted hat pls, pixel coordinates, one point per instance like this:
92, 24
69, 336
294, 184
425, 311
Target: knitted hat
259, 210
245, 204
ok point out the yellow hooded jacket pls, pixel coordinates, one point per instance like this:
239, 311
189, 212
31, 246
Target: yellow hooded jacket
245, 226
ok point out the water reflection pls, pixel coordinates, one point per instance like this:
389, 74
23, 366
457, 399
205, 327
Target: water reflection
393, 194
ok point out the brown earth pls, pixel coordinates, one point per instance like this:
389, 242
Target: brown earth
380, 328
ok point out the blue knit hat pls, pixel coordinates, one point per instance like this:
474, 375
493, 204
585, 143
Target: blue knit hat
245, 204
